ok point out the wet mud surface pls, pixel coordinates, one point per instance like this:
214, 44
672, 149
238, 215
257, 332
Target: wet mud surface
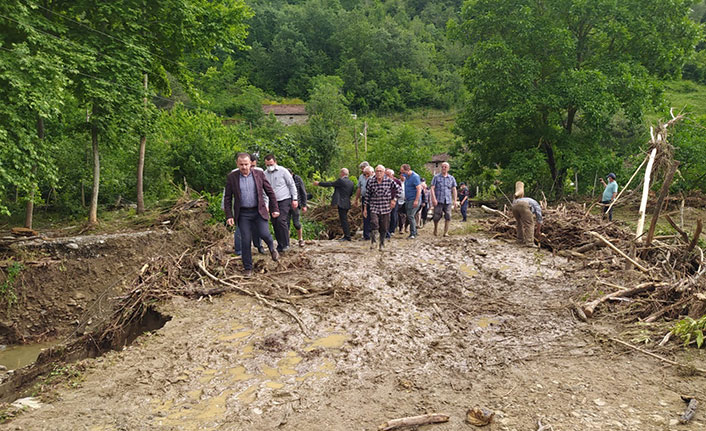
434, 325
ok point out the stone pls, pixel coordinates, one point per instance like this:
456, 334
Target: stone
72, 246
29, 403
599, 402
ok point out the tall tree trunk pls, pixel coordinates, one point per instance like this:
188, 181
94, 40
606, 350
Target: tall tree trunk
93, 210
29, 207
141, 163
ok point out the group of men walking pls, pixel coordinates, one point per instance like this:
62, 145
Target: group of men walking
389, 202
253, 196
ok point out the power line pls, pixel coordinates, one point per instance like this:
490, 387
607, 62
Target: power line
115, 38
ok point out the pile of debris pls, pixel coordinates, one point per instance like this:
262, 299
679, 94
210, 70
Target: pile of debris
328, 216
666, 271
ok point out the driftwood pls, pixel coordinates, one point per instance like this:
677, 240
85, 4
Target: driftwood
690, 411
683, 234
590, 307
412, 421
697, 234
494, 212
617, 250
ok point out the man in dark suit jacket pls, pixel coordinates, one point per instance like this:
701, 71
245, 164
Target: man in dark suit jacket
248, 210
343, 190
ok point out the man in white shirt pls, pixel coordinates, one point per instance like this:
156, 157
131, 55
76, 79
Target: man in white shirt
286, 194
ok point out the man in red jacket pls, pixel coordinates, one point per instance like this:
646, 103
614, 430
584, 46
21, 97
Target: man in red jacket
248, 210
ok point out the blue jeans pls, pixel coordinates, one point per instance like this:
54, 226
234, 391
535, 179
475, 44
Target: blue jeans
393, 220
464, 209
411, 212
251, 223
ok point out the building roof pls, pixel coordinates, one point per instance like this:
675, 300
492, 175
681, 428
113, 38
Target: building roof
443, 157
284, 109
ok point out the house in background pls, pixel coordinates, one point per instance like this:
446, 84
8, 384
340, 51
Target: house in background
287, 114
434, 165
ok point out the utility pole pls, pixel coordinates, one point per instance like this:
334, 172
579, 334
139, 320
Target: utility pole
365, 137
141, 160
355, 140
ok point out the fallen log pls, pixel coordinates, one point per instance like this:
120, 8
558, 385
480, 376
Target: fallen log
589, 307
617, 250
433, 418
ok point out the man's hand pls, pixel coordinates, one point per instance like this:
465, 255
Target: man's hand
602, 181
295, 204
393, 204
316, 183
434, 202
365, 213
230, 221
415, 203
275, 214
304, 209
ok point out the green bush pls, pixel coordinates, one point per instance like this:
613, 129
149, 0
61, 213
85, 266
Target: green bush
690, 330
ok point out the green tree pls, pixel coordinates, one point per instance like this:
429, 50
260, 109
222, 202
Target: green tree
327, 114
553, 75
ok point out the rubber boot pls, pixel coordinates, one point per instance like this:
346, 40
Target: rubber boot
372, 240
382, 242
446, 227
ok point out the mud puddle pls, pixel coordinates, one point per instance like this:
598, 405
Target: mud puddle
18, 356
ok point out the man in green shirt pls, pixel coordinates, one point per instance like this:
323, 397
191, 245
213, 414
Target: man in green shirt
610, 192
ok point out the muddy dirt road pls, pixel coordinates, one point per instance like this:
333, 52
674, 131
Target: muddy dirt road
430, 325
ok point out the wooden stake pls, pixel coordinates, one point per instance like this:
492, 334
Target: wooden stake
645, 193
413, 421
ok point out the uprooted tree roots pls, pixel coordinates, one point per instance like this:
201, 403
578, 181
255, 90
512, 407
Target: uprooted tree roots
667, 274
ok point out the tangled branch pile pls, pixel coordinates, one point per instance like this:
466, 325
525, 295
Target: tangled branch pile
671, 284
328, 216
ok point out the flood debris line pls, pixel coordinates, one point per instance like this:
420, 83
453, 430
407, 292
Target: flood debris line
670, 280
414, 421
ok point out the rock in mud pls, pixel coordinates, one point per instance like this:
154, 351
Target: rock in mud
479, 416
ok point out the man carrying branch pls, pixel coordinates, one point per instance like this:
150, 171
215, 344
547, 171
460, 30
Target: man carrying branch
609, 194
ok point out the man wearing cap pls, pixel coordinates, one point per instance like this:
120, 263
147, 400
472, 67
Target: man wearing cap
525, 210
463, 194
609, 193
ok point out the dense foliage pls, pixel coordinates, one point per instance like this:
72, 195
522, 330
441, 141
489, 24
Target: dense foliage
549, 92
564, 80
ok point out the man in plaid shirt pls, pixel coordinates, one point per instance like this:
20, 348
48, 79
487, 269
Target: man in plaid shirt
381, 195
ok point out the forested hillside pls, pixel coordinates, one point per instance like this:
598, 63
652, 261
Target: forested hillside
120, 101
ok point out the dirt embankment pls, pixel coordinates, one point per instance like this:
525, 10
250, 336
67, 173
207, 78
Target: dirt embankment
431, 325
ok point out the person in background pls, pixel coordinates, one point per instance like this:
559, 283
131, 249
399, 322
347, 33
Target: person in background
343, 190
245, 207
402, 208
463, 195
286, 194
525, 210
366, 173
443, 197
294, 213
393, 214
412, 192
427, 202
609, 194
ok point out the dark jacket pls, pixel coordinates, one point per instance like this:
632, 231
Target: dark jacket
343, 190
261, 184
301, 190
